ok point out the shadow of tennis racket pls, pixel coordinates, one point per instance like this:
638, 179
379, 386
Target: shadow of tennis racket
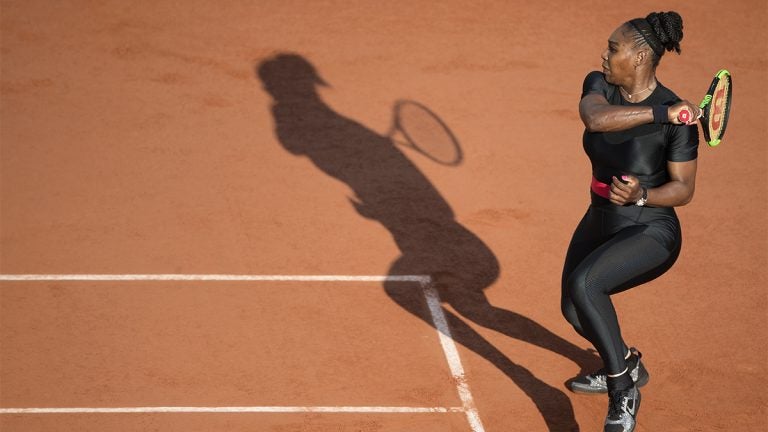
417, 127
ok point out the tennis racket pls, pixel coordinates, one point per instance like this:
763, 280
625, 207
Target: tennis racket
419, 128
715, 108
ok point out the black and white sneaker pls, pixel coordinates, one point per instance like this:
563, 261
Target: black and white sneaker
623, 406
596, 382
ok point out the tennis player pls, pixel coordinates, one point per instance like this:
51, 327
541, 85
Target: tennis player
643, 165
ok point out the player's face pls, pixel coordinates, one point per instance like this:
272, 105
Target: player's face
618, 57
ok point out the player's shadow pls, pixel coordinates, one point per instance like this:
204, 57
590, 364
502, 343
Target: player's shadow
391, 190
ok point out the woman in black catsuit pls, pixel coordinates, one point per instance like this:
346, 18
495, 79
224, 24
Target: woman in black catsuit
643, 164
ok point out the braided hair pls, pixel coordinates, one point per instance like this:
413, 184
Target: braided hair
660, 31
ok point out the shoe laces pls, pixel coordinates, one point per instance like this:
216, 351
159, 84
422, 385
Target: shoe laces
617, 402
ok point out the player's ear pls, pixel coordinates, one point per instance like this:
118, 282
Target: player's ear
640, 57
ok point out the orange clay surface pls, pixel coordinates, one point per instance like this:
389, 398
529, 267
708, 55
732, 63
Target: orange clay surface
137, 138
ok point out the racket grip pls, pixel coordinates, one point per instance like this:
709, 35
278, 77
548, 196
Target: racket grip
684, 116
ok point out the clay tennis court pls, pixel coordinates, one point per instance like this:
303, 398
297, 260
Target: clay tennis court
177, 256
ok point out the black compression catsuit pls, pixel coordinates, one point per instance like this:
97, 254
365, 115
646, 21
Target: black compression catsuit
617, 247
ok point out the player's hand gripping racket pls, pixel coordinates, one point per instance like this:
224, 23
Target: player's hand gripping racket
715, 108
417, 127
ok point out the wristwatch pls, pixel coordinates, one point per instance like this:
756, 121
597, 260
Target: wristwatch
641, 202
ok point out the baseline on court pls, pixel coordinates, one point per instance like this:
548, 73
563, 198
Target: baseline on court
425, 283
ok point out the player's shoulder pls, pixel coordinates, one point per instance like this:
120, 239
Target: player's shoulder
667, 96
596, 77
595, 82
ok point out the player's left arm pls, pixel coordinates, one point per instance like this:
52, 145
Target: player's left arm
678, 191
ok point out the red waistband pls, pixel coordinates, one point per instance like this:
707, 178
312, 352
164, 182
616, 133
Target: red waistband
601, 188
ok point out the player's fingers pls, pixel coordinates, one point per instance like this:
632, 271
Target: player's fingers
696, 113
616, 199
618, 195
693, 110
623, 189
623, 184
621, 196
686, 110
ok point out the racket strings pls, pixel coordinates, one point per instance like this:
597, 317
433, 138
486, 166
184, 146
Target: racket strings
719, 109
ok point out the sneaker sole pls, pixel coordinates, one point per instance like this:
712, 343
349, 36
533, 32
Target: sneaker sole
585, 389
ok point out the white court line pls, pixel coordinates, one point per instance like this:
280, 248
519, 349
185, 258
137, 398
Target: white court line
452, 355
433, 301
254, 409
211, 277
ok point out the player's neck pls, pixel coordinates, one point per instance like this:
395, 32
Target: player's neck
639, 90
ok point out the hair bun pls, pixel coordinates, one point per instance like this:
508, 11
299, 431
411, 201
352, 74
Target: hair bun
668, 27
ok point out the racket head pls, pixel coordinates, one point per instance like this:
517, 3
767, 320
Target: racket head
717, 107
424, 131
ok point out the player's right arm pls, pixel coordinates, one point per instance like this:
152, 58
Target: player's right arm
600, 116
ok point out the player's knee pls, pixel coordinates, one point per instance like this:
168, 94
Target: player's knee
569, 313
576, 288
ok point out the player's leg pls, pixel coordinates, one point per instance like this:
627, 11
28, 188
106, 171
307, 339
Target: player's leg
629, 258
